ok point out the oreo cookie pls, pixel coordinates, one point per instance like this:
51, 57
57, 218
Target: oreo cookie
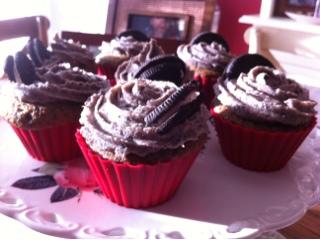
37, 51
164, 67
183, 113
244, 63
137, 35
172, 100
25, 69
209, 37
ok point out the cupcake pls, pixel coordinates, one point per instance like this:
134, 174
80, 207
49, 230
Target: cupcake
124, 46
129, 68
62, 51
263, 116
43, 105
206, 57
140, 139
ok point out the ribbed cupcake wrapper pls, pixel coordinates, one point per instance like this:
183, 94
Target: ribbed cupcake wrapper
206, 83
107, 71
52, 144
257, 150
141, 185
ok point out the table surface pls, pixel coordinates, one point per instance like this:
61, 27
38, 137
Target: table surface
307, 227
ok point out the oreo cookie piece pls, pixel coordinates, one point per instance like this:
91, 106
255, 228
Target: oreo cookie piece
172, 100
25, 69
9, 67
139, 36
37, 51
183, 113
244, 63
164, 67
209, 37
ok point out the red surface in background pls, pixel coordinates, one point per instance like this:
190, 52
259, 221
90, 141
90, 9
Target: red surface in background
230, 28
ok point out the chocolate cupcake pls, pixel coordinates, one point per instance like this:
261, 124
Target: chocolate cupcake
141, 137
124, 46
43, 105
206, 57
127, 70
263, 117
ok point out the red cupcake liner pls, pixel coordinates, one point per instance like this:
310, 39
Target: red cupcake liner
52, 144
107, 71
206, 84
256, 149
141, 185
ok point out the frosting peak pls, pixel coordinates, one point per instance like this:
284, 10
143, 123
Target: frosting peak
203, 55
59, 83
267, 95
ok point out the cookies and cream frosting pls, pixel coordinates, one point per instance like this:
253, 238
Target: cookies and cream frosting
127, 69
114, 122
60, 83
124, 46
71, 52
203, 55
266, 95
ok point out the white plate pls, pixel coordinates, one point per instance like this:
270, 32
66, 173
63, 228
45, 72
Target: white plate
303, 18
216, 199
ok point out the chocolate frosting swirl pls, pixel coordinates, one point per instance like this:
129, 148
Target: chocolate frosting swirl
74, 53
203, 55
59, 83
125, 46
265, 95
113, 122
127, 69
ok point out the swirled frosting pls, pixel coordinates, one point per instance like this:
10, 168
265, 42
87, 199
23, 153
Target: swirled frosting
59, 83
265, 95
113, 122
127, 69
74, 53
203, 55
125, 46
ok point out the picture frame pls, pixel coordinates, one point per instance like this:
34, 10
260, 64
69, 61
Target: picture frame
160, 25
305, 7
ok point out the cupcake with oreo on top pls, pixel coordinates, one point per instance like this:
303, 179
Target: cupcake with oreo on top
141, 137
206, 57
62, 51
127, 70
124, 46
263, 116
43, 105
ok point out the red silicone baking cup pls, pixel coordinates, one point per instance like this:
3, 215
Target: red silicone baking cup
255, 149
206, 83
108, 72
52, 144
141, 185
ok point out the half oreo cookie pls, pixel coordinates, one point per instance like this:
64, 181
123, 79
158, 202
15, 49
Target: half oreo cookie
25, 72
209, 37
164, 67
139, 36
244, 63
37, 51
9, 67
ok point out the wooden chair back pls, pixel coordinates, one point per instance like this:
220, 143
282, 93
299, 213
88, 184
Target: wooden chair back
35, 26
